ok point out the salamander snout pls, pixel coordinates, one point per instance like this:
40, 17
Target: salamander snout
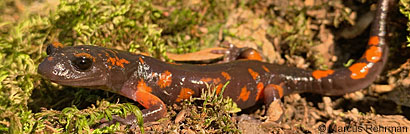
73, 66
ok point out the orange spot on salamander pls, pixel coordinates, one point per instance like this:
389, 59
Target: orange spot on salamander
254, 74
278, 88
260, 87
57, 45
143, 95
207, 80
322, 73
265, 68
89, 56
226, 75
374, 40
184, 94
118, 62
143, 86
147, 99
50, 58
219, 88
373, 54
216, 80
165, 79
112, 60
142, 61
244, 95
254, 55
359, 70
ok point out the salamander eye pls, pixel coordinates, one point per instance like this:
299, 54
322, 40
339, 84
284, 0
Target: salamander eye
82, 63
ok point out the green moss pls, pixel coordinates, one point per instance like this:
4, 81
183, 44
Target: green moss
71, 119
405, 10
124, 23
211, 113
298, 26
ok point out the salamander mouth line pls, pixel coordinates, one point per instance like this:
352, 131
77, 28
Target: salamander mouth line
74, 81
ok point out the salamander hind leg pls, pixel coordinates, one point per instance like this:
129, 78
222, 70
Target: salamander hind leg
233, 53
272, 94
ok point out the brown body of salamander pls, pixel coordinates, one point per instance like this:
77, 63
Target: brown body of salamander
154, 83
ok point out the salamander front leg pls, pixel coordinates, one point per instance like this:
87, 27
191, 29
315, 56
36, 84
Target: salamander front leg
138, 91
272, 94
155, 107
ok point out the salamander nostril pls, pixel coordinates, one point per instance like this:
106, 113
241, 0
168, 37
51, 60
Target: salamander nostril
50, 49
43, 68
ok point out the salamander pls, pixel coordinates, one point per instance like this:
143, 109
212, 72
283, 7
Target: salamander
154, 83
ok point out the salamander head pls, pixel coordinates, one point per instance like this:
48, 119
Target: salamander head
74, 66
